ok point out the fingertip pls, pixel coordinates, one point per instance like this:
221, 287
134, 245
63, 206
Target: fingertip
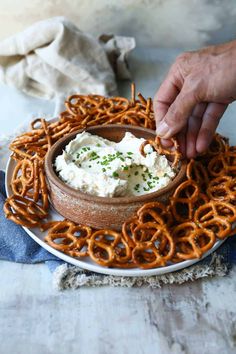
163, 130
182, 150
167, 143
210, 122
191, 148
182, 143
191, 154
204, 139
202, 145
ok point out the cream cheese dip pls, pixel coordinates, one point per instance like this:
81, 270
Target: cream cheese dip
104, 168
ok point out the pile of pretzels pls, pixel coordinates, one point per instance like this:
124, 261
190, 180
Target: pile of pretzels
201, 211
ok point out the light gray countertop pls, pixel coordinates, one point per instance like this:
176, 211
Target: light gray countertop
192, 318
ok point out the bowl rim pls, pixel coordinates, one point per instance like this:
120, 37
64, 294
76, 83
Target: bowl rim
52, 176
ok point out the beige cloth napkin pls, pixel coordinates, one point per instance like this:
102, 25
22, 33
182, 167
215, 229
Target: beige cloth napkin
67, 276
53, 59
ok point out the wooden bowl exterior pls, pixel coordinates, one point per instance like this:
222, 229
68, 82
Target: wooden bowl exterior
101, 212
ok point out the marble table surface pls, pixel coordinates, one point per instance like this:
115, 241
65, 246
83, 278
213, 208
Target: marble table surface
176, 319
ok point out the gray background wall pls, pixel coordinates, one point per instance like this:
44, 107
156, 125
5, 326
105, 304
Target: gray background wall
159, 23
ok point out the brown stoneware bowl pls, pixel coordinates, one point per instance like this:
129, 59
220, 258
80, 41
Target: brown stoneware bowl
101, 212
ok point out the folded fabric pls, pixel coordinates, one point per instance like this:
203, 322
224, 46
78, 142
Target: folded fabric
53, 59
17, 246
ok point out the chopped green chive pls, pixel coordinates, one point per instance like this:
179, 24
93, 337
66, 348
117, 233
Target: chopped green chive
104, 163
85, 148
93, 156
115, 174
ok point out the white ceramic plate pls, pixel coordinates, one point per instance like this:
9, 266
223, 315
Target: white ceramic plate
87, 263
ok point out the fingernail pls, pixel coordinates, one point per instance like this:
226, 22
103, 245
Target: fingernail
201, 147
162, 129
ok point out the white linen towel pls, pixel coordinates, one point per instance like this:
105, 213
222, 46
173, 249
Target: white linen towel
53, 59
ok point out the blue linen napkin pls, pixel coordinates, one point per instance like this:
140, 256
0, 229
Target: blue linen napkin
17, 246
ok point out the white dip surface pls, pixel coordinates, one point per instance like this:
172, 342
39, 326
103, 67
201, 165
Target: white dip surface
97, 166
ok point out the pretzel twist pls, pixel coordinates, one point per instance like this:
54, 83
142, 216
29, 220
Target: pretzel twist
24, 211
155, 211
195, 244
107, 246
173, 153
73, 238
28, 180
218, 145
222, 188
215, 209
184, 199
197, 172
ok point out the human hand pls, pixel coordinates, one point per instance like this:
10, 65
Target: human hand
195, 95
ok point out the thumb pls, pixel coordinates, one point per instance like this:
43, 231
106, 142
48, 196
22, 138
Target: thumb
177, 115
